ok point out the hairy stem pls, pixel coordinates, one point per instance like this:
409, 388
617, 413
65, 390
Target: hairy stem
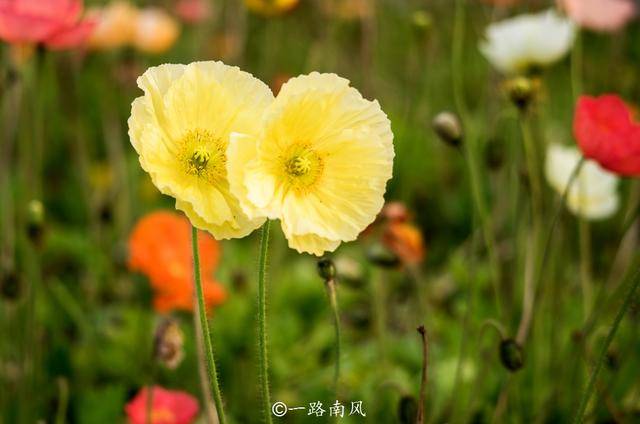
262, 323
211, 364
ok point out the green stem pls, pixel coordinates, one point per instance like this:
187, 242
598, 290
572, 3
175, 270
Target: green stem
211, 364
579, 418
262, 323
333, 300
585, 264
486, 222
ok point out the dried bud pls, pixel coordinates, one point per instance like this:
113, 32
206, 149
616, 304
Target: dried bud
521, 91
326, 269
407, 410
448, 127
511, 355
379, 255
168, 343
35, 221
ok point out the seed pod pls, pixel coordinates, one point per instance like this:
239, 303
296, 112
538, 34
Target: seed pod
379, 255
448, 127
326, 269
511, 355
168, 343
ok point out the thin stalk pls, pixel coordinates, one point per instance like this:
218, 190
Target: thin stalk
579, 418
585, 264
149, 404
525, 322
262, 323
486, 222
423, 378
211, 364
202, 367
63, 401
333, 300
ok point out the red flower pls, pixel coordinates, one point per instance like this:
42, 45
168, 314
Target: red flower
607, 133
55, 23
167, 407
160, 248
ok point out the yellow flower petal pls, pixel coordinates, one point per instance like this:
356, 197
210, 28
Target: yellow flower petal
321, 163
180, 129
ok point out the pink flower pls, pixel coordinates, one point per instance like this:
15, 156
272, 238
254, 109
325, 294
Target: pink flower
600, 15
167, 407
193, 11
55, 23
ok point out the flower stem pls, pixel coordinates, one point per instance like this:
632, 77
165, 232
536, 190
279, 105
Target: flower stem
579, 418
262, 323
211, 364
486, 222
585, 265
333, 300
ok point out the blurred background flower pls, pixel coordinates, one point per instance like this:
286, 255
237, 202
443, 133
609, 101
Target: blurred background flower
167, 407
160, 248
600, 15
527, 42
58, 24
607, 133
593, 193
193, 11
115, 24
271, 7
155, 31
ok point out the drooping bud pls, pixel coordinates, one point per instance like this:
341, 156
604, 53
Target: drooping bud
168, 343
448, 127
511, 355
379, 255
326, 269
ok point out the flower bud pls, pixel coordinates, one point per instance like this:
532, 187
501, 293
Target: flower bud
407, 409
326, 269
521, 91
168, 343
10, 286
421, 20
35, 221
447, 126
379, 255
511, 355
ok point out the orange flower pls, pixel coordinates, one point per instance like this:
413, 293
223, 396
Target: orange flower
115, 25
405, 240
160, 248
155, 31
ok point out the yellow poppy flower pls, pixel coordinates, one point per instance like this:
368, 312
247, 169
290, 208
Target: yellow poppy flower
180, 128
320, 165
271, 7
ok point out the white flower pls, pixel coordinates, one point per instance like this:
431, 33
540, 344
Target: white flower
593, 193
528, 41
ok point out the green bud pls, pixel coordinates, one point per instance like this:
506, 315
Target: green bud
511, 355
326, 269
